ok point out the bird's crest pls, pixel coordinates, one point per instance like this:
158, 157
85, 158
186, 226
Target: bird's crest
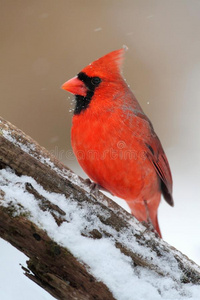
109, 64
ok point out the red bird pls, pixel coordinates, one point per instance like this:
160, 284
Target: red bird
115, 142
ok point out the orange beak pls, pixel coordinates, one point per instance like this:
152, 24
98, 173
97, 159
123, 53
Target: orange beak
75, 86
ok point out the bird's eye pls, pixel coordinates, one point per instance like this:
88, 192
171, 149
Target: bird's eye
95, 80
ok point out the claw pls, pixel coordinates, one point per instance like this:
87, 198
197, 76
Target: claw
94, 187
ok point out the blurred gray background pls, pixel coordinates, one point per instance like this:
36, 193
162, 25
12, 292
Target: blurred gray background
44, 43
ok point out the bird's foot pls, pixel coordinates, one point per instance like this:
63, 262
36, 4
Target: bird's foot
148, 224
94, 187
149, 227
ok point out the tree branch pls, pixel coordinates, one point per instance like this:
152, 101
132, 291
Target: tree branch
52, 263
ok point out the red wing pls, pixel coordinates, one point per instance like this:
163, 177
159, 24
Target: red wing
159, 160
157, 157
144, 132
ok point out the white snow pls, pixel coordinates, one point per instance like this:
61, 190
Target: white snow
97, 29
30, 149
104, 261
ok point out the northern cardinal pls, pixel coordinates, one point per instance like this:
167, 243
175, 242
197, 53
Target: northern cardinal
114, 141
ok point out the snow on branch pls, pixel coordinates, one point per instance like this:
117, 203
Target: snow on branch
81, 245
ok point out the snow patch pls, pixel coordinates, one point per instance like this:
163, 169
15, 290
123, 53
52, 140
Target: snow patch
103, 259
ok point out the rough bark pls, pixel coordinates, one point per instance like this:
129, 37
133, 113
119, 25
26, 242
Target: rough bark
52, 266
